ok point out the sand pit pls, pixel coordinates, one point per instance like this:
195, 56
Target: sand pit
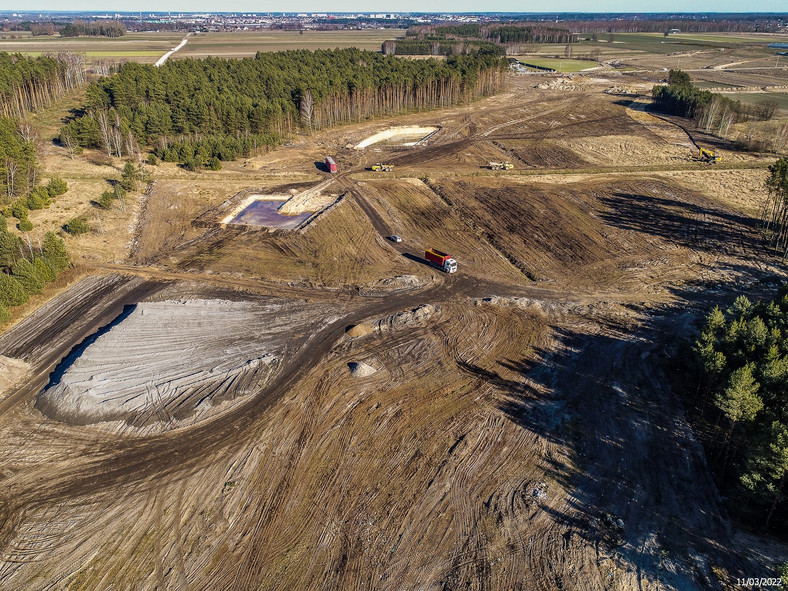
161, 361
408, 135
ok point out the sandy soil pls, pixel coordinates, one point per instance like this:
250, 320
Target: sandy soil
12, 372
506, 427
169, 360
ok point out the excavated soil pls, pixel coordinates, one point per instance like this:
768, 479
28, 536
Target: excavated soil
509, 426
165, 361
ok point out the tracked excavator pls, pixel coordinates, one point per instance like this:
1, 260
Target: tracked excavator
707, 156
500, 165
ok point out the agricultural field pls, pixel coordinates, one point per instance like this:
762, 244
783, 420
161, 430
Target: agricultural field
141, 47
561, 65
246, 44
702, 55
780, 98
208, 405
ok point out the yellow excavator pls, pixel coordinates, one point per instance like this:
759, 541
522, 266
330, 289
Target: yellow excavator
500, 165
383, 167
707, 156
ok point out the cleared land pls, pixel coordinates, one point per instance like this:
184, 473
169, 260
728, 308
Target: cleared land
507, 427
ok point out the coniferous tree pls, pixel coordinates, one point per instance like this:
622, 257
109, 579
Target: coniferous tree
28, 276
54, 251
12, 293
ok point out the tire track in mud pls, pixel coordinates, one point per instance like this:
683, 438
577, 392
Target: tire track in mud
69, 318
259, 541
467, 218
169, 453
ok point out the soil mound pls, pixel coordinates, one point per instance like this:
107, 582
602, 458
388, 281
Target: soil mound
358, 330
163, 361
414, 316
359, 369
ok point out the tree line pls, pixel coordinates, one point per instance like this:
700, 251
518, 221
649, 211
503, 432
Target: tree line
18, 164
447, 47
712, 111
494, 32
226, 108
774, 213
80, 28
742, 363
31, 83
27, 266
739, 23
495, 38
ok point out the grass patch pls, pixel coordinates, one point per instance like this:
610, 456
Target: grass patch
560, 65
757, 98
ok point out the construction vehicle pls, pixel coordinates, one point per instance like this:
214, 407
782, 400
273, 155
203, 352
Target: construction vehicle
330, 164
443, 261
383, 167
707, 156
500, 165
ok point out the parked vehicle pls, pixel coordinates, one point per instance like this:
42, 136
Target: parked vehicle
500, 165
395, 238
707, 156
441, 260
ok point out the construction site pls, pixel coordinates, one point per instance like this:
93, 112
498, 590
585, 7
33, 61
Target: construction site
255, 387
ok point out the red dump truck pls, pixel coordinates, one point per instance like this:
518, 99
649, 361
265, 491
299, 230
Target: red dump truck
441, 260
330, 164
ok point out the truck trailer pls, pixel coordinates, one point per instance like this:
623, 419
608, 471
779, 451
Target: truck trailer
441, 260
330, 164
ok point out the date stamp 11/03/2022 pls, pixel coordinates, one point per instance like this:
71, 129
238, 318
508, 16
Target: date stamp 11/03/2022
756, 582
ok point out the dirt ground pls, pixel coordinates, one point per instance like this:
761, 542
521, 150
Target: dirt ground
509, 426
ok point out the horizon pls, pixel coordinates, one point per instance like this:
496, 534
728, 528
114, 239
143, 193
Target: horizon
608, 7
403, 12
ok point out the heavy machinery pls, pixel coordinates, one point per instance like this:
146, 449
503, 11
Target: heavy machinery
383, 167
330, 164
500, 165
707, 156
443, 261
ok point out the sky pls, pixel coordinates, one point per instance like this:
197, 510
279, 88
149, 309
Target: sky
401, 5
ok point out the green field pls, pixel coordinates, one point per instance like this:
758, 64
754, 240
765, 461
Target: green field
560, 65
781, 98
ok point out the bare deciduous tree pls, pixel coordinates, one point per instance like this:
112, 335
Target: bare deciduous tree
307, 109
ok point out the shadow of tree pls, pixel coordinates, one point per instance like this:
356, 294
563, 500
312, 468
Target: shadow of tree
639, 482
694, 225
